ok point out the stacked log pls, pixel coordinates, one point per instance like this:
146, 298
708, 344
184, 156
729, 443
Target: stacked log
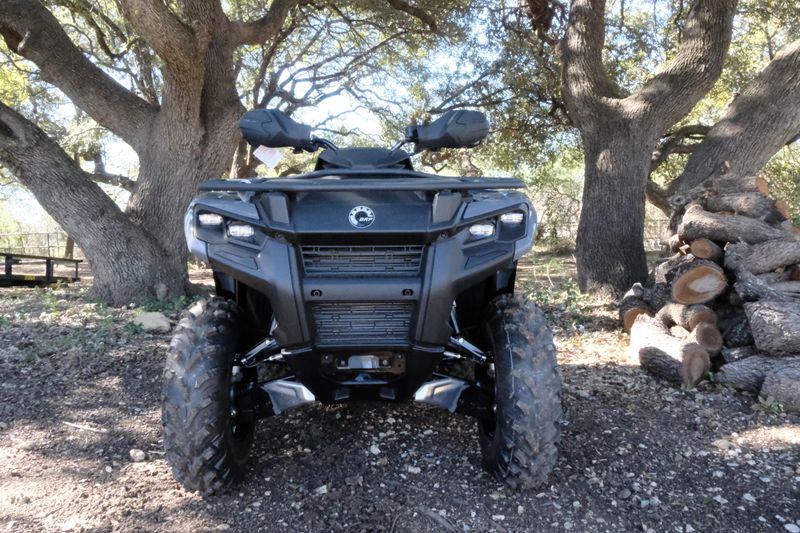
728, 296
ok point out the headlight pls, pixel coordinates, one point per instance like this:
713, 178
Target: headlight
481, 230
513, 218
209, 219
240, 231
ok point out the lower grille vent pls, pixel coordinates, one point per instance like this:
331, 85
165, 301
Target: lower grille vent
353, 324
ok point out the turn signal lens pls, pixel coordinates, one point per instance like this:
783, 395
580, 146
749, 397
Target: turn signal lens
240, 231
513, 218
481, 230
209, 219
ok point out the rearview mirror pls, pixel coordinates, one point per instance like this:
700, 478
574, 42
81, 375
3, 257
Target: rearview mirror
454, 129
273, 128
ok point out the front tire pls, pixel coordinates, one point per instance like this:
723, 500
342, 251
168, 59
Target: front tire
205, 446
519, 440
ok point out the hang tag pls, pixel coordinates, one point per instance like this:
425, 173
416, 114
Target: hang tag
269, 156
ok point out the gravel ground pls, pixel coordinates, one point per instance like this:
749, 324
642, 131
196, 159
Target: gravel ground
80, 444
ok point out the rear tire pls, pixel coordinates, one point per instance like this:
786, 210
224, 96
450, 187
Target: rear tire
519, 441
205, 446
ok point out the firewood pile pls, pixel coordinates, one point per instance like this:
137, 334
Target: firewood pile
728, 299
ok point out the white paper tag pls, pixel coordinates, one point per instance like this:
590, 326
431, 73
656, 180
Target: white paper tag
269, 156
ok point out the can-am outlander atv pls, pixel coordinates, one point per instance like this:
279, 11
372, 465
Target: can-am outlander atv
363, 280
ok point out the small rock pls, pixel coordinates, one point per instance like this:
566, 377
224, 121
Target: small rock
153, 321
354, 480
748, 497
791, 528
137, 456
688, 529
624, 494
722, 444
498, 517
520, 509
413, 469
322, 489
374, 450
720, 500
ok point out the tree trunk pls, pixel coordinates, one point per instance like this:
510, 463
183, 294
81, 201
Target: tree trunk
69, 247
757, 123
620, 133
128, 265
609, 250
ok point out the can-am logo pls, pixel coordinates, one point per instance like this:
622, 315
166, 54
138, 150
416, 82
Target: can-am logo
361, 216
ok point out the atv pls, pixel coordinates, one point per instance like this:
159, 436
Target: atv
363, 280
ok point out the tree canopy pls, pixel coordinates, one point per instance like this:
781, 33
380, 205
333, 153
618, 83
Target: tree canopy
142, 96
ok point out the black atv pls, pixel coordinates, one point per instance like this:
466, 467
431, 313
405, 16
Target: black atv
363, 280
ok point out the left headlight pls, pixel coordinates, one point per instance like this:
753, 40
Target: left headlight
481, 230
239, 230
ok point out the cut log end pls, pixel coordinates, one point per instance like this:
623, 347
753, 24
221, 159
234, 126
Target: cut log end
706, 249
698, 283
686, 316
630, 315
696, 364
707, 336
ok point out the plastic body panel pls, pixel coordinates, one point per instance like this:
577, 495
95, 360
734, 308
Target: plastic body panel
432, 218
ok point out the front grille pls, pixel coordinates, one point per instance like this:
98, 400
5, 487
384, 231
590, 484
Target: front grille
350, 261
353, 324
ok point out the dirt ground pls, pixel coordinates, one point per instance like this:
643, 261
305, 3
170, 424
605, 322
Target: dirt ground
79, 389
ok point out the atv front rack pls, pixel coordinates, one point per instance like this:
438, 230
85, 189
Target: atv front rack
360, 179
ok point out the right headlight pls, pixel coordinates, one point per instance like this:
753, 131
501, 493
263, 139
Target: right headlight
513, 219
209, 219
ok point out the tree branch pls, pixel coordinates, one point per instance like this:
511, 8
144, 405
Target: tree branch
100, 175
690, 74
172, 40
123, 182
424, 17
673, 143
54, 178
584, 76
264, 29
756, 124
31, 31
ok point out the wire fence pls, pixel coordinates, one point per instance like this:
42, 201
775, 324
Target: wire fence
51, 244
567, 232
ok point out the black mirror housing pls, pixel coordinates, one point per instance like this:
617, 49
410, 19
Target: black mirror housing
454, 129
273, 128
